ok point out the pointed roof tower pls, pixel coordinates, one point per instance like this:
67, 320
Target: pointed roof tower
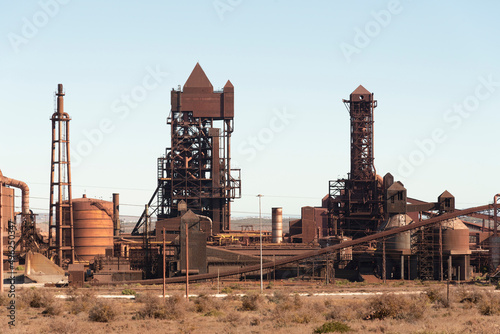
361, 93
361, 90
198, 81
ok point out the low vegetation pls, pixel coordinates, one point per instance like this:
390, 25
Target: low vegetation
425, 309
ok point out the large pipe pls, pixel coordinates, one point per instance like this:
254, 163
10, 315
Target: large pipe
277, 225
1, 236
24, 189
317, 252
116, 214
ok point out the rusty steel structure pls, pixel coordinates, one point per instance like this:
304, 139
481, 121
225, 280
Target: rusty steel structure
196, 168
61, 230
356, 204
93, 227
29, 239
322, 251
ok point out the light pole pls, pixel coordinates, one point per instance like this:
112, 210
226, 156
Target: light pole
260, 223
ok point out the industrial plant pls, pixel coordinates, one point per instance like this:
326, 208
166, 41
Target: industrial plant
364, 228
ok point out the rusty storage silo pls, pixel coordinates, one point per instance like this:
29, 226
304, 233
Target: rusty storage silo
456, 248
7, 206
455, 236
400, 241
277, 225
397, 248
93, 227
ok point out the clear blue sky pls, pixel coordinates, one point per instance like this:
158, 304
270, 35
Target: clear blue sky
428, 64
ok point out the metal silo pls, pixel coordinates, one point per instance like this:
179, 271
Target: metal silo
93, 227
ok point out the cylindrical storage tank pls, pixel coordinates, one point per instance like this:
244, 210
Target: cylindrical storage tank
7, 207
277, 228
93, 227
400, 241
494, 251
455, 236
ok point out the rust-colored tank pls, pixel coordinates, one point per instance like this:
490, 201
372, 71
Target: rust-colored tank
455, 236
7, 206
400, 241
93, 227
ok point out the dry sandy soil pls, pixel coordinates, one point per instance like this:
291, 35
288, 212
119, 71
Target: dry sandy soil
285, 307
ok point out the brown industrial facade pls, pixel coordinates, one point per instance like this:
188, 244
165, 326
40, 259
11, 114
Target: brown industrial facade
366, 223
196, 168
356, 203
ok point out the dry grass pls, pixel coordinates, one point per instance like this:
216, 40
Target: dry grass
173, 308
469, 311
104, 311
397, 307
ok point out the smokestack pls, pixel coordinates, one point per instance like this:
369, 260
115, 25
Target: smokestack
277, 228
116, 214
60, 99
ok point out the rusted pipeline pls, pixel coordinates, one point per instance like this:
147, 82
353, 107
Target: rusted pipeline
313, 253
24, 189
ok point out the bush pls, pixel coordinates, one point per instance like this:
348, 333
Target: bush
396, 307
54, 308
251, 302
129, 292
209, 306
103, 312
346, 312
466, 295
227, 290
333, 327
4, 299
36, 298
81, 300
489, 305
437, 297
234, 318
155, 308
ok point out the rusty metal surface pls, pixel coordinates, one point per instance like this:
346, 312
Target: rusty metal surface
325, 250
356, 205
196, 168
61, 233
93, 227
455, 237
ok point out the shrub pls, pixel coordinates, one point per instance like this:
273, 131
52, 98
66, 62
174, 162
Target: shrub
36, 298
4, 299
333, 327
103, 311
54, 308
171, 308
396, 307
437, 297
251, 302
81, 300
227, 290
234, 318
465, 295
489, 305
129, 292
209, 306
347, 312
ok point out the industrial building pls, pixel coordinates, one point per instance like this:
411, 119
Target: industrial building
365, 226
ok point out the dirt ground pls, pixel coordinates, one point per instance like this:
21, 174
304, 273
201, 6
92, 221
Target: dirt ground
285, 307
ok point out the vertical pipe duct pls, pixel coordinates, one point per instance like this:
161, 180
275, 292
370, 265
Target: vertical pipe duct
277, 228
116, 214
1, 235
25, 191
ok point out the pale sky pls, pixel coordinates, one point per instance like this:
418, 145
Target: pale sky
433, 67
